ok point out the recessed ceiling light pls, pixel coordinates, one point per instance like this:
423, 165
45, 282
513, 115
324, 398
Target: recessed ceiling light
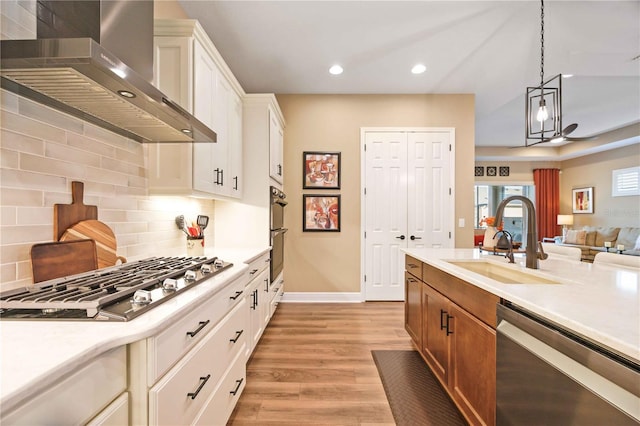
126, 94
336, 70
567, 75
418, 69
186, 131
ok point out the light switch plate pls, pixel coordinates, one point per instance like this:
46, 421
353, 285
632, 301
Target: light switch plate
461, 222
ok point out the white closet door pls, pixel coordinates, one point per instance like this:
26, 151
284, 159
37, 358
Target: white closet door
430, 206
386, 218
408, 203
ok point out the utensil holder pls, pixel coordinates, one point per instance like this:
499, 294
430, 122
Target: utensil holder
195, 246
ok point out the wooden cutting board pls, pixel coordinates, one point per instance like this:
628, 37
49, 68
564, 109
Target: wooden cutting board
66, 215
100, 232
61, 259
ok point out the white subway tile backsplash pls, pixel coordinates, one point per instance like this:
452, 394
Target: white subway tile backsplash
8, 215
105, 136
35, 216
22, 143
9, 159
92, 145
33, 128
8, 101
43, 151
20, 197
20, 233
50, 116
50, 166
71, 154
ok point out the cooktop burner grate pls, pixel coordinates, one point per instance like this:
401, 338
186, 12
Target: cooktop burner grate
117, 293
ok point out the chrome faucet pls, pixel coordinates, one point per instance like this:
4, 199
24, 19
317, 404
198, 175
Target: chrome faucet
531, 252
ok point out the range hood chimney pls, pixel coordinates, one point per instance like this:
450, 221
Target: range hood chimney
93, 59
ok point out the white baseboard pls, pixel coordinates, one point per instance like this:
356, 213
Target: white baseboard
309, 297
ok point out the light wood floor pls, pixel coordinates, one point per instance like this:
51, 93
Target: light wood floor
313, 365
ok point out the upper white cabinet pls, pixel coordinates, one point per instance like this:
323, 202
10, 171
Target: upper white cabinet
276, 146
189, 69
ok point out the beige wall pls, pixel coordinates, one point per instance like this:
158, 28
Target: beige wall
330, 262
595, 171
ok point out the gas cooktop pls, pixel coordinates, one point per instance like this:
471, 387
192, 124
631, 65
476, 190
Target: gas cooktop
118, 293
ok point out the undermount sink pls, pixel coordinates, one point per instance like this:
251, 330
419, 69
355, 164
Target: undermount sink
504, 274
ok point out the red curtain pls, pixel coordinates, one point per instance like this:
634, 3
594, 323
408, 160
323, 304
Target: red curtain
547, 182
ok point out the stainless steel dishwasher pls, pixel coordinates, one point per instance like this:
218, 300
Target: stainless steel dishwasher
549, 376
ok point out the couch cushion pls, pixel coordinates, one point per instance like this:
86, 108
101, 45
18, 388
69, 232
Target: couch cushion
591, 235
628, 237
607, 234
575, 237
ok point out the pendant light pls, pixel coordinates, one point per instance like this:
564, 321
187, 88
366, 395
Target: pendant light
543, 109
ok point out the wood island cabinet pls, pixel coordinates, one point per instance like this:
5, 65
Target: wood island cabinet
455, 336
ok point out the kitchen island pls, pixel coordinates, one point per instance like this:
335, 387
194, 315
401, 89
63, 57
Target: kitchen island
38, 355
451, 299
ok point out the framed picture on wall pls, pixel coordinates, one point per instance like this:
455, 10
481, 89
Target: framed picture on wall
321, 170
320, 213
582, 200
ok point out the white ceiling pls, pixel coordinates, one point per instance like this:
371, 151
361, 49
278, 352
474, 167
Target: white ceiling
489, 48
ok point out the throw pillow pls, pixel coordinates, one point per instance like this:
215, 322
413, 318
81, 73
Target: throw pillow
575, 237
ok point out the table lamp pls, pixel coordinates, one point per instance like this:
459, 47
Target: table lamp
564, 220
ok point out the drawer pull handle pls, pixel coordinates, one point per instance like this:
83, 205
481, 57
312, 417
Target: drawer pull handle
202, 324
204, 381
238, 293
238, 384
412, 265
253, 272
448, 319
238, 334
266, 285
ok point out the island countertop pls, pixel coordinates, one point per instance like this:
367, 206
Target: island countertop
598, 302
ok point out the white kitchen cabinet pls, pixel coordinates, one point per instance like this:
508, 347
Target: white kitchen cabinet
276, 148
257, 300
116, 414
179, 397
277, 290
189, 69
90, 389
174, 373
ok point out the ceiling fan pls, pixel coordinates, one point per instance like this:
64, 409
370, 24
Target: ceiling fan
564, 136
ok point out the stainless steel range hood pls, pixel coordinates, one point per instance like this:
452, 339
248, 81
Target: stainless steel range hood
83, 78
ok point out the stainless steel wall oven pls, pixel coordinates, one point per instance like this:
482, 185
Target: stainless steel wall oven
277, 230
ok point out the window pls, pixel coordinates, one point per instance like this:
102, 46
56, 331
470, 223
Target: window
625, 182
487, 198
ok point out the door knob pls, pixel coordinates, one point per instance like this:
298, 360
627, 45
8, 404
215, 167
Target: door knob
415, 238
401, 237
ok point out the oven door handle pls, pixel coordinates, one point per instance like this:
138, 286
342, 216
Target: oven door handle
276, 232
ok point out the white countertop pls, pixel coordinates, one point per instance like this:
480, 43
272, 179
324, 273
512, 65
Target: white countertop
599, 302
35, 354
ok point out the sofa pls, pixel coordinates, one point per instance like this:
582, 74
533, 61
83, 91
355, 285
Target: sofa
590, 240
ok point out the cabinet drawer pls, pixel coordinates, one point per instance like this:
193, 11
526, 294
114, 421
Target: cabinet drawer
166, 348
225, 397
413, 266
89, 389
183, 391
257, 266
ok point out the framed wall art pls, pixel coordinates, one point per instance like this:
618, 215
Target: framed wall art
321, 170
582, 200
320, 213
